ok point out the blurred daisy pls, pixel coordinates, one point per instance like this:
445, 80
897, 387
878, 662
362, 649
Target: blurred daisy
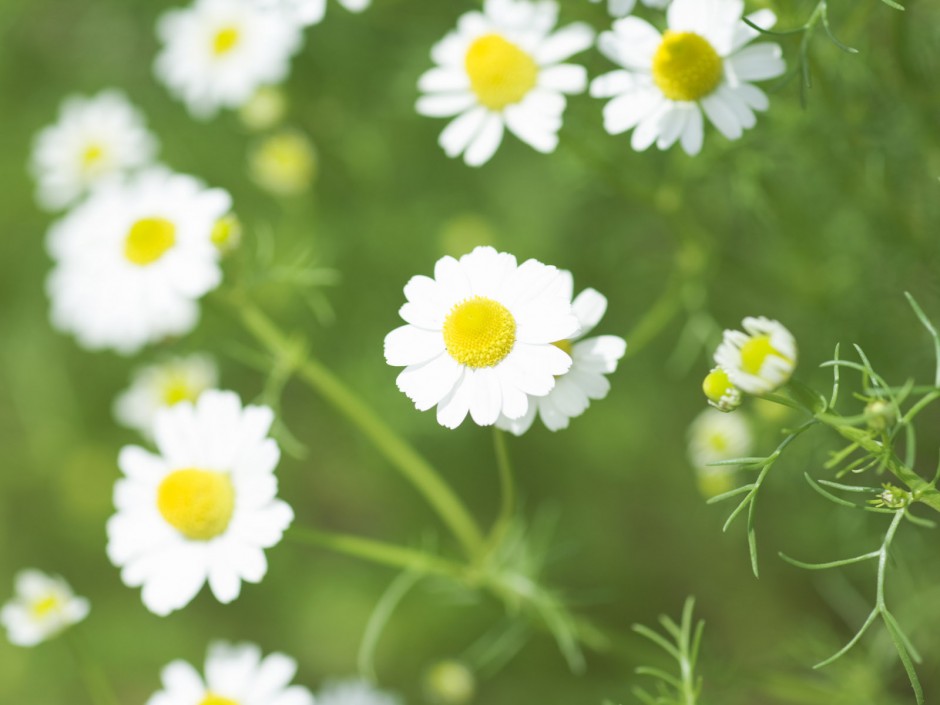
217, 53
622, 8
719, 391
235, 675
715, 436
265, 109
759, 360
227, 233
131, 262
702, 63
203, 508
162, 385
479, 336
502, 68
592, 359
283, 164
95, 138
354, 692
310, 12
43, 606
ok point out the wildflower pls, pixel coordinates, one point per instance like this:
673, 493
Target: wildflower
43, 607
720, 392
892, 497
354, 692
226, 234
217, 53
592, 359
283, 164
94, 139
235, 674
502, 68
622, 8
203, 508
132, 261
759, 360
479, 336
702, 63
310, 12
265, 109
450, 683
715, 436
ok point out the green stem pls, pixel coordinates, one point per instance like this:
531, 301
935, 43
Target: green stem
406, 459
96, 682
506, 487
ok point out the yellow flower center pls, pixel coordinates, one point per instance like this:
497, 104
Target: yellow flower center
177, 389
225, 40
148, 240
716, 385
213, 699
500, 72
197, 503
756, 351
479, 332
686, 67
718, 442
46, 605
92, 156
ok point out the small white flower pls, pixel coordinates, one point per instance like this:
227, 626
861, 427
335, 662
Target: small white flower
43, 606
354, 692
217, 53
715, 436
760, 360
204, 508
502, 69
162, 385
94, 138
702, 63
235, 674
622, 8
284, 163
720, 392
479, 336
592, 359
309, 12
132, 261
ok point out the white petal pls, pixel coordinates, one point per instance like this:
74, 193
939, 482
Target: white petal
407, 345
486, 400
444, 104
757, 62
722, 116
694, 133
460, 132
564, 43
589, 306
566, 78
484, 145
430, 382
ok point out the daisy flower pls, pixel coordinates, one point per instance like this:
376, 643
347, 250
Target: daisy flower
759, 360
162, 385
592, 359
95, 138
43, 606
622, 8
719, 391
132, 261
310, 12
203, 508
235, 674
478, 336
715, 436
354, 692
704, 62
217, 53
502, 69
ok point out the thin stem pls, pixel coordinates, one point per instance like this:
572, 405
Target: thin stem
506, 486
96, 682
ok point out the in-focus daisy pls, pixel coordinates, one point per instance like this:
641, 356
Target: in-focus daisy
715, 436
479, 336
622, 8
44, 605
235, 674
759, 360
95, 138
283, 164
354, 692
502, 69
203, 508
719, 390
310, 12
161, 385
132, 261
704, 62
217, 53
592, 359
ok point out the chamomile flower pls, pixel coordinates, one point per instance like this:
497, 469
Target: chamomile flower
703, 63
217, 53
592, 359
162, 385
760, 359
310, 12
354, 692
94, 138
283, 164
44, 605
502, 69
720, 392
203, 508
235, 674
622, 8
715, 436
132, 261
479, 336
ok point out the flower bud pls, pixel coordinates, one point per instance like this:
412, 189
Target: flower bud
720, 392
450, 683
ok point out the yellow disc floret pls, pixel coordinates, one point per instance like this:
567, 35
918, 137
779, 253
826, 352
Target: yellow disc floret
686, 67
213, 699
177, 389
500, 72
148, 240
756, 351
225, 40
479, 332
197, 503
717, 385
46, 605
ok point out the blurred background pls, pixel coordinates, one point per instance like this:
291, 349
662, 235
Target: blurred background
820, 217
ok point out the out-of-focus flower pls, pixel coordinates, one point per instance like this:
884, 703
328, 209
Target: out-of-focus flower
94, 138
759, 360
133, 260
204, 508
502, 69
265, 109
354, 692
283, 164
309, 12
715, 436
622, 8
720, 392
44, 605
449, 683
227, 233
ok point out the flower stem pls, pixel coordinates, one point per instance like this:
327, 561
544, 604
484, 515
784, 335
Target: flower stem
506, 486
96, 682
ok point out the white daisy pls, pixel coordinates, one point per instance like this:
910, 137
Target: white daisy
95, 138
217, 53
760, 360
203, 508
720, 392
310, 12
131, 262
715, 436
501, 68
622, 8
479, 336
354, 692
702, 63
161, 385
235, 674
592, 359
43, 606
